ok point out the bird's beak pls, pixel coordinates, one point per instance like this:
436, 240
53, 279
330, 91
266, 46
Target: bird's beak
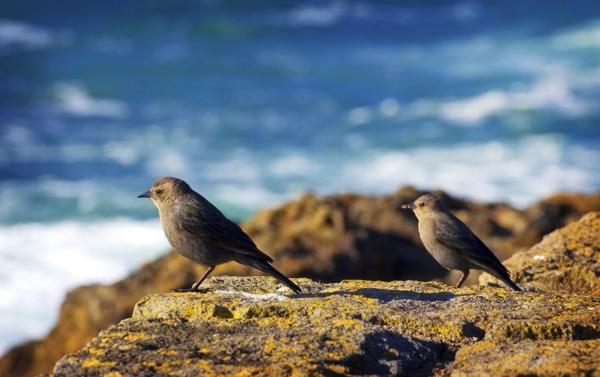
146, 194
409, 206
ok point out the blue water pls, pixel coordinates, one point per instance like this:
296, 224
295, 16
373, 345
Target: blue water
253, 103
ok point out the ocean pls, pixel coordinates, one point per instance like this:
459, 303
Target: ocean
253, 103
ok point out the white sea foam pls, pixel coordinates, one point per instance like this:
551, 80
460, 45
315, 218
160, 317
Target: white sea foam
474, 110
168, 162
24, 36
360, 115
240, 166
39, 263
292, 165
76, 101
332, 12
552, 93
389, 107
123, 152
583, 36
321, 15
249, 197
516, 172
325, 14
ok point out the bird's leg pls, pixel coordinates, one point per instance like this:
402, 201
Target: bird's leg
463, 278
195, 286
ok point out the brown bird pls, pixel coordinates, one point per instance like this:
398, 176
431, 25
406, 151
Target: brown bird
200, 232
452, 243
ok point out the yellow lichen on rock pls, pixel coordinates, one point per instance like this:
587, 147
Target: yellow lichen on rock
527, 357
353, 327
93, 362
565, 261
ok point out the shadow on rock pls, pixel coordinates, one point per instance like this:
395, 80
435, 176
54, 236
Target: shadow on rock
386, 295
387, 353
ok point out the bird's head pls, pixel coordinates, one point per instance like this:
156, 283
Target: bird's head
165, 190
425, 205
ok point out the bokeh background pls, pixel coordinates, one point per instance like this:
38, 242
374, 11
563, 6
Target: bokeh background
255, 102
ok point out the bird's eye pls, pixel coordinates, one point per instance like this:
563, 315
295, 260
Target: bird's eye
158, 192
421, 204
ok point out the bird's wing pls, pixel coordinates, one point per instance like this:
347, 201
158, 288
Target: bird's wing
212, 226
459, 237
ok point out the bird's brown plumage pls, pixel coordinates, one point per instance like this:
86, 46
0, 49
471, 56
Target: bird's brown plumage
200, 232
452, 243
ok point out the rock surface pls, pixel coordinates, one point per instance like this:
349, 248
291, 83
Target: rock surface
246, 326
327, 239
567, 261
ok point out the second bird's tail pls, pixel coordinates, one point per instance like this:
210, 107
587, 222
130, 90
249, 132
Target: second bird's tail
510, 283
264, 266
504, 276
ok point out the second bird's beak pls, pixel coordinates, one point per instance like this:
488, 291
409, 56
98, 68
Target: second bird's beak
146, 194
409, 206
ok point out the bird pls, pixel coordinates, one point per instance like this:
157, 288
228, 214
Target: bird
200, 232
452, 243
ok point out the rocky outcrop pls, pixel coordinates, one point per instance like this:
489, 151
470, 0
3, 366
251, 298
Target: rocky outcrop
246, 326
567, 261
357, 237
327, 239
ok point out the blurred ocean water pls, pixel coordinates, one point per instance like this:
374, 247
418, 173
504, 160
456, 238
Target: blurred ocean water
253, 103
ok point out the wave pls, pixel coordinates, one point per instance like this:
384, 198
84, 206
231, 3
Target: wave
586, 36
517, 172
551, 94
321, 14
19, 36
40, 262
74, 100
555, 94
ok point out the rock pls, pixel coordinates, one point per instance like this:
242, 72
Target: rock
526, 357
327, 239
567, 261
246, 326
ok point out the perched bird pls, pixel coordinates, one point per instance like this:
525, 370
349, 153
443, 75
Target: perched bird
452, 243
200, 232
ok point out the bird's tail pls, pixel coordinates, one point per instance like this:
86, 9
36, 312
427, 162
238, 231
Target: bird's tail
504, 276
511, 284
266, 267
